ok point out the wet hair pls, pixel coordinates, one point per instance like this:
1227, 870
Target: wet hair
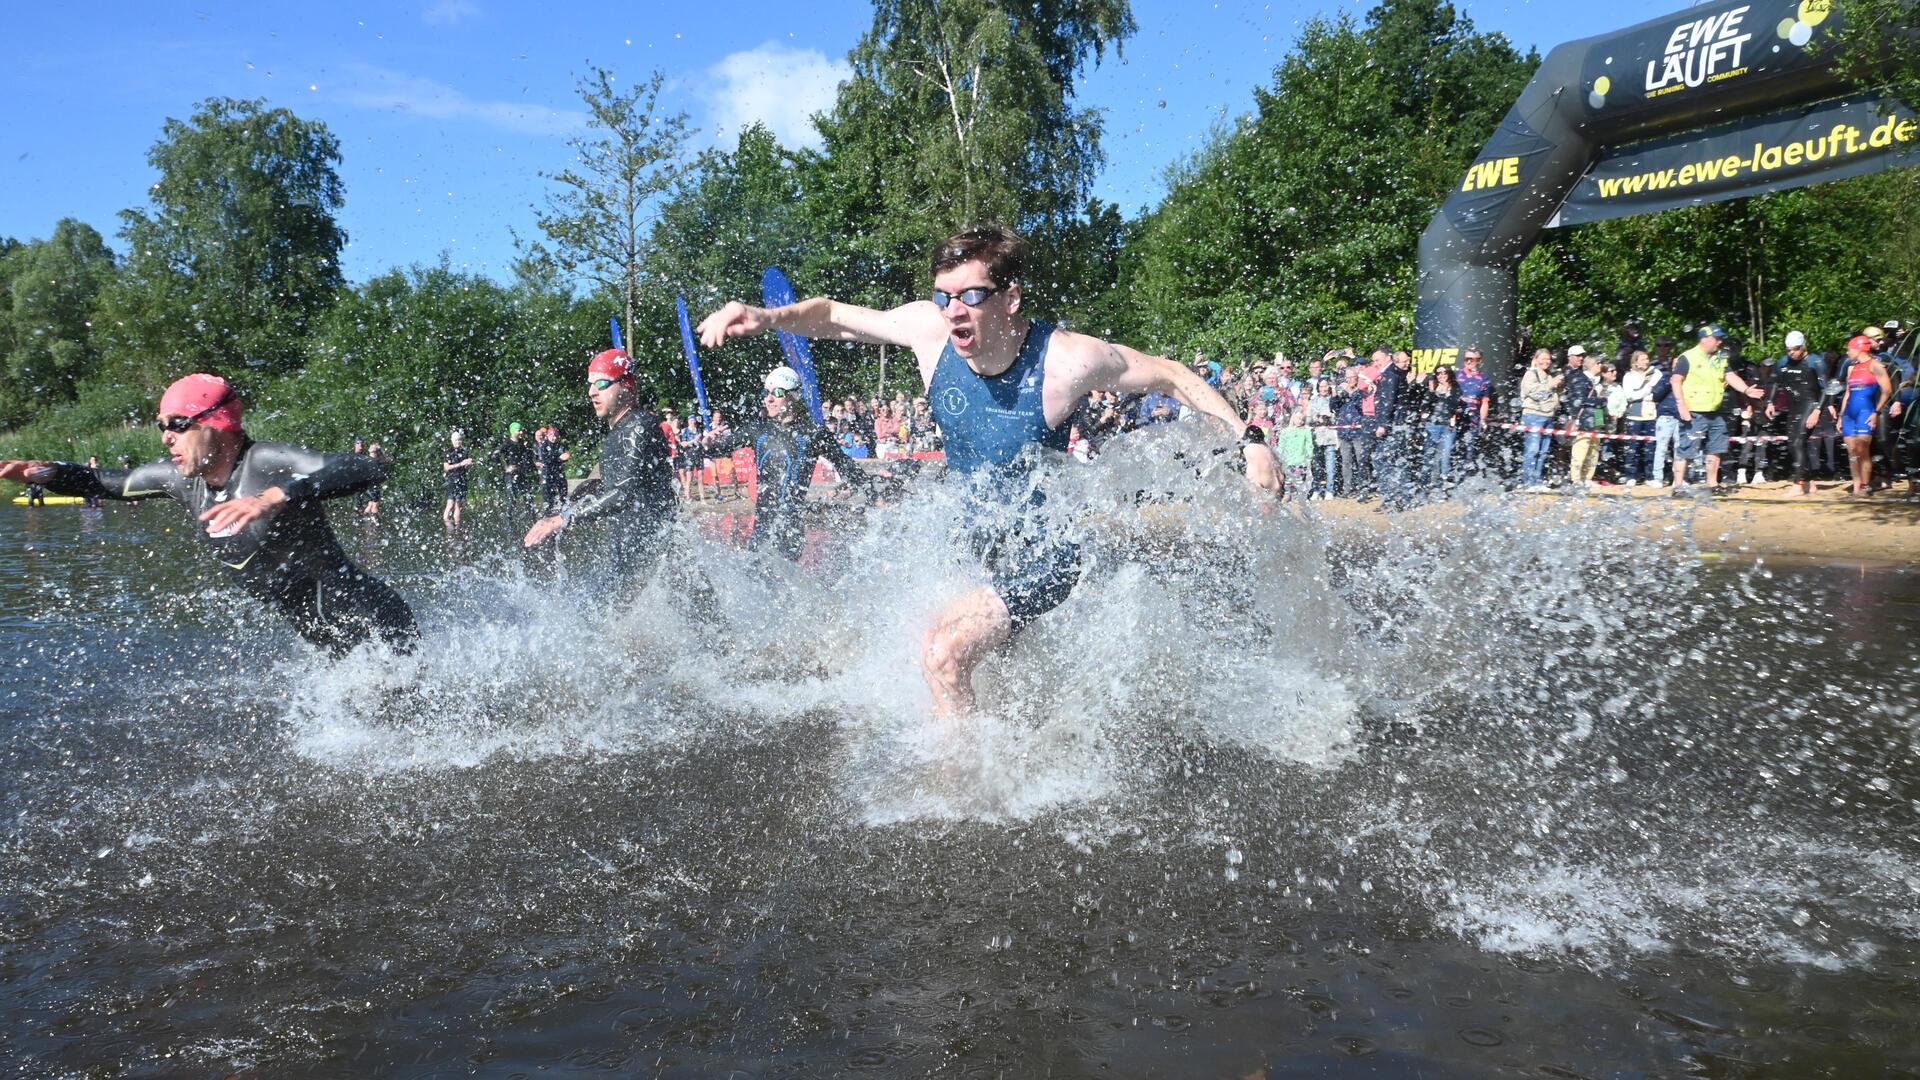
1003, 250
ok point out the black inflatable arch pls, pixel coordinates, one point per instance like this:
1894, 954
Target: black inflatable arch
1719, 101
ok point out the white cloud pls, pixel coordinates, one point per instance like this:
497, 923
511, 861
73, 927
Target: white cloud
372, 87
448, 12
776, 85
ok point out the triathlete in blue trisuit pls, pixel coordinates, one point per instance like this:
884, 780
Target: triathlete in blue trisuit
999, 384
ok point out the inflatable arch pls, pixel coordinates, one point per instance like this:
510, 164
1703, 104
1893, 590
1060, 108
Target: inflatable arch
1720, 101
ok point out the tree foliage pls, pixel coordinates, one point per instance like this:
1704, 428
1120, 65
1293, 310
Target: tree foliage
47, 299
960, 111
239, 249
600, 218
1296, 226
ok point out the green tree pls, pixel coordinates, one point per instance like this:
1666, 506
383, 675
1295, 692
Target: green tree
240, 249
959, 111
1296, 226
52, 288
729, 219
600, 219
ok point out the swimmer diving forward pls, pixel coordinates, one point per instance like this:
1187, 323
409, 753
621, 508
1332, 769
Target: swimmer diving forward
1000, 384
257, 505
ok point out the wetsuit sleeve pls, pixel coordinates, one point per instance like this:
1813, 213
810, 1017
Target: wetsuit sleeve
309, 475
126, 485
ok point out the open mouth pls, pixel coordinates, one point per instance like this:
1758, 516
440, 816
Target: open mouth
962, 336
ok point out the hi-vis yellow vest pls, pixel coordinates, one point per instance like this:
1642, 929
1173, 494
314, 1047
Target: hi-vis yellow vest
1706, 385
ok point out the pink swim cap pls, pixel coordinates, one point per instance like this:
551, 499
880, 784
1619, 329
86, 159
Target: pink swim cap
199, 393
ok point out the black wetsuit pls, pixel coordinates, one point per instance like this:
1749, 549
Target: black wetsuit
289, 558
783, 456
1800, 385
636, 492
553, 475
517, 455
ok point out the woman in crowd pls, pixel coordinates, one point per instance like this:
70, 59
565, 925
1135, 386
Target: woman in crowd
1441, 411
1867, 386
1637, 400
1326, 434
886, 431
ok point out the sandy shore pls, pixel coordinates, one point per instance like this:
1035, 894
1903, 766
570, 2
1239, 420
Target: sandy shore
1759, 519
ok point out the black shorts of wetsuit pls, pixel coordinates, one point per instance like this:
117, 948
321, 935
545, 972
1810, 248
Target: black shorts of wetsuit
1033, 578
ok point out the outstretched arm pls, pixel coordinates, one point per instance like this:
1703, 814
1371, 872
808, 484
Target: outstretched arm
819, 317
1102, 365
67, 478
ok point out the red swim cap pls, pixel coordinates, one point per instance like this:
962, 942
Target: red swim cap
1861, 343
612, 364
199, 393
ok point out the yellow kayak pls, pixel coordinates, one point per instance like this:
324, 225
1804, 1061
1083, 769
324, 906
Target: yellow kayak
52, 500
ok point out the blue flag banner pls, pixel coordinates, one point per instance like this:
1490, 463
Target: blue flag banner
693, 358
617, 343
775, 291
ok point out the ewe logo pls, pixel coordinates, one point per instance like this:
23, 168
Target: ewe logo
952, 401
1701, 51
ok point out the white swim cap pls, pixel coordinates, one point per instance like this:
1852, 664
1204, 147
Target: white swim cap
782, 378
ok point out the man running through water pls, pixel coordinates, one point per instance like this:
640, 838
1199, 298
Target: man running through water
785, 446
636, 486
257, 505
1000, 384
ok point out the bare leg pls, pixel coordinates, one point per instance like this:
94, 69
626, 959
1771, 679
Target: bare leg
961, 636
1713, 470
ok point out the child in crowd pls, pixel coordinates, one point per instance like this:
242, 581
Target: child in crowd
1295, 451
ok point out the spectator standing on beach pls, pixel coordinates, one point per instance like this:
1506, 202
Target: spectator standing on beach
1356, 438
1539, 405
1295, 451
1476, 401
1639, 412
1586, 410
1394, 413
1442, 410
1326, 435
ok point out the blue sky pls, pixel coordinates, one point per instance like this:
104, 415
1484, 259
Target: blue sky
447, 111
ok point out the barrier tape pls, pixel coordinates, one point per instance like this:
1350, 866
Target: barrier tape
1578, 434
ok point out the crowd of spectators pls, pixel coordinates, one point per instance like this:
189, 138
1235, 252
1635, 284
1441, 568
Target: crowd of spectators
1372, 428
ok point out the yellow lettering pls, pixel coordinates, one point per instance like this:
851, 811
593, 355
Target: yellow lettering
1509, 171
1730, 165
1883, 135
1794, 153
1686, 174
1905, 131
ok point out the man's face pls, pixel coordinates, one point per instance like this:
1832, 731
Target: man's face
606, 399
1403, 359
972, 329
1314, 369
1378, 358
1471, 362
1797, 353
1709, 344
775, 404
191, 450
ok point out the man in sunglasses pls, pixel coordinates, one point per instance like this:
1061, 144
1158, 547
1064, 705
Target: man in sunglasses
785, 445
1000, 385
636, 491
257, 506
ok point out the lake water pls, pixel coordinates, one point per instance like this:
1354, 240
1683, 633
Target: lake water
1564, 804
